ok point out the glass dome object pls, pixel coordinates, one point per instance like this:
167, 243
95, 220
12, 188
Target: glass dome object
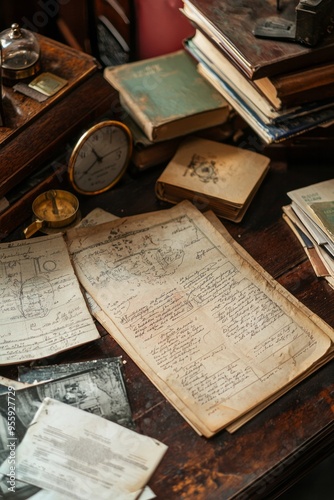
20, 53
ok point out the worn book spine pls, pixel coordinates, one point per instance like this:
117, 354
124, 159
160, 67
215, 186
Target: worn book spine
272, 132
280, 91
166, 96
245, 88
311, 84
231, 26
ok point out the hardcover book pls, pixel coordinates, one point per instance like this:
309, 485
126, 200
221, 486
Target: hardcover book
277, 131
166, 96
279, 93
199, 47
147, 154
324, 213
230, 25
296, 87
214, 176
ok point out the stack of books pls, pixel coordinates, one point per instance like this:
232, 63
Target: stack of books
280, 88
311, 217
163, 99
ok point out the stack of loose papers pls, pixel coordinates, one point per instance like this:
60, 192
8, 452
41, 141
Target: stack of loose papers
71, 453
210, 328
311, 216
105, 455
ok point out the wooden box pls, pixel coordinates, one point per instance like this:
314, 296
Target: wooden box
37, 132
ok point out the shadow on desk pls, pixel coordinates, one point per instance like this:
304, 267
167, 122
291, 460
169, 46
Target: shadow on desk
316, 485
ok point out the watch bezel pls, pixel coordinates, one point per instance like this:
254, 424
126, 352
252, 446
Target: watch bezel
79, 144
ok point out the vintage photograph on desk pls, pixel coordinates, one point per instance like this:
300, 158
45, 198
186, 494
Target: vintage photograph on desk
95, 386
105, 394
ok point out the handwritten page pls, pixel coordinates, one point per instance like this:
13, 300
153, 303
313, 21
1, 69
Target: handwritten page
214, 334
81, 455
42, 309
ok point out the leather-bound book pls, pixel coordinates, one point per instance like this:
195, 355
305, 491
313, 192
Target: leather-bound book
231, 24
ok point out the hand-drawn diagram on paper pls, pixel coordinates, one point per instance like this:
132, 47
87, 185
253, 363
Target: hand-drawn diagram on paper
198, 315
42, 310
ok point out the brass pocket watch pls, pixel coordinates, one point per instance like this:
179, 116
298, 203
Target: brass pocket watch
100, 157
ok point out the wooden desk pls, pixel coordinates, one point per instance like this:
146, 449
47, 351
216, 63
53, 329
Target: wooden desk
285, 440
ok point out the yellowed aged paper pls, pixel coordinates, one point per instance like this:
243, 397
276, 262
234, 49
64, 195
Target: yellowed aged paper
278, 290
42, 309
80, 455
317, 202
326, 328
199, 318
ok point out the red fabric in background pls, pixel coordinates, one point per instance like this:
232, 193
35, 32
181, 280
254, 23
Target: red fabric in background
160, 26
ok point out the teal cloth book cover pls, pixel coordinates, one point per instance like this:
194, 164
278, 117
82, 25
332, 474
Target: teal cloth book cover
166, 96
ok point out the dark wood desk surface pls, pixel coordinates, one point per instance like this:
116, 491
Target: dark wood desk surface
276, 447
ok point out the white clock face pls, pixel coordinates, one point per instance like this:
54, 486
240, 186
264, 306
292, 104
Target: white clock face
100, 157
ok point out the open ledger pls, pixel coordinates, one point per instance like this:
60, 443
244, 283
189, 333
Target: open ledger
209, 327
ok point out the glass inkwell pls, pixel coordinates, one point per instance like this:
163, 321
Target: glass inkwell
20, 53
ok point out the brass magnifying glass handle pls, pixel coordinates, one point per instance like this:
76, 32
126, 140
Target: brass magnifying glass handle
33, 228
52, 195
